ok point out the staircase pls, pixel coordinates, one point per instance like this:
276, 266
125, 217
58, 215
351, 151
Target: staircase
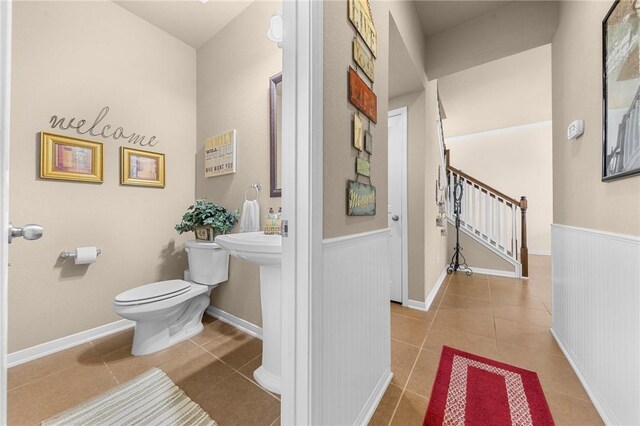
492, 218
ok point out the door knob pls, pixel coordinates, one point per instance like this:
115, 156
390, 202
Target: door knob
395, 218
28, 232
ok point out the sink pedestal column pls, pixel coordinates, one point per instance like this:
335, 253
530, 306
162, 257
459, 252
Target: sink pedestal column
268, 375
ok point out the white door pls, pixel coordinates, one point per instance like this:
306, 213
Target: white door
398, 204
5, 82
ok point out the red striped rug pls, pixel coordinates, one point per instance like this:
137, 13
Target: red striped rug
472, 390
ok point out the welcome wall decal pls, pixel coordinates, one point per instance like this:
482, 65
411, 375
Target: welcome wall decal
97, 129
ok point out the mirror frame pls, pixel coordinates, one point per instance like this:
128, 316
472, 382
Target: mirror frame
273, 81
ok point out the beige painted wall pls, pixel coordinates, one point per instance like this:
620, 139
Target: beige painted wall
516, 161
233, 93
477, 255
428, 252
516, 27
71, 59
580, 197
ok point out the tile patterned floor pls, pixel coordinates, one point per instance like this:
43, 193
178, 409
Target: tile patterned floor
215, 369
500, 318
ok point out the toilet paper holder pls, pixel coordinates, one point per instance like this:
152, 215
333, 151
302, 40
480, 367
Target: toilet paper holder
65, 254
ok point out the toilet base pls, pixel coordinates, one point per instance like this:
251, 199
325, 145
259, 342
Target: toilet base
267, 380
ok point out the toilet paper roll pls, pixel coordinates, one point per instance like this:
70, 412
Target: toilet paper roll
86, 255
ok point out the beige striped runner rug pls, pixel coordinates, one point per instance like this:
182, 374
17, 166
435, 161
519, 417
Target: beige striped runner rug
149, 399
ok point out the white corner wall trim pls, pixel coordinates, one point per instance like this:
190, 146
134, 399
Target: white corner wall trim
371, 405
494, 272
594, 398
596, 320
424, 306
235, 321
540, 252
493, 132
48, 348
354, 340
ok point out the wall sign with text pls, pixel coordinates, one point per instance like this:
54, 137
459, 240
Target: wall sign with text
360, 17
220, 154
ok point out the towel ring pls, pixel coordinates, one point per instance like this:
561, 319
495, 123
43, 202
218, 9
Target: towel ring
256, 187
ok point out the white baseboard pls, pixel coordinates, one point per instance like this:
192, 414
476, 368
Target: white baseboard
540, 252
494, 272
48, 348
596, 403
235, 321
374, 400
423, 306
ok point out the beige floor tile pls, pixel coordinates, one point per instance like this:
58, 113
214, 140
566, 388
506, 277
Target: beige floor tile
212, 330
514, 294
520, 314
248, 369
440, 336
469, 322
403, 356
408, 330
113, 342
571, 411
476, 289
125, 366
424, 373
44, 398
459, 277
235, 348
386, 407
411, 410
238, 401
527, 335
42, 367
196, 370
426, 316
276, 422
468, 304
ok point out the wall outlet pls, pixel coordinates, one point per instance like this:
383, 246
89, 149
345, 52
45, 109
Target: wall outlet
575, 129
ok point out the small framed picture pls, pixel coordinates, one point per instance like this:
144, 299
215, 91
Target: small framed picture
65, 158
368, 142
141, 168
358, 132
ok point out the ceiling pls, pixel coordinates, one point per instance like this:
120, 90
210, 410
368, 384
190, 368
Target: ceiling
511, 91
438, 16
188, 20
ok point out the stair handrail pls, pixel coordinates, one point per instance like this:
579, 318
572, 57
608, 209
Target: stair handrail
521, 204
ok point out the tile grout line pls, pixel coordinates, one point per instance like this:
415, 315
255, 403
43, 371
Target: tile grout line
415, 362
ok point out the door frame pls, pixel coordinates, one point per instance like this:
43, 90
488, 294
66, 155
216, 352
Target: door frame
302, 204
404, 205
5, 119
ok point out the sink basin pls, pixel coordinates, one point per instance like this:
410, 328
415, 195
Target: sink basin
254, 247
266, 252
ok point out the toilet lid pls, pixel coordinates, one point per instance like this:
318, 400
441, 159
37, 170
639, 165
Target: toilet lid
153, 292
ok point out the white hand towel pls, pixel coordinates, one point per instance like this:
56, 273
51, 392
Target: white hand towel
250, 217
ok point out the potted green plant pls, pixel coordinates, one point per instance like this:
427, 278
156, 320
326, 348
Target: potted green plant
207, 220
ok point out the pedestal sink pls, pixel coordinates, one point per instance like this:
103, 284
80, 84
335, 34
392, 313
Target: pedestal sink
266, 252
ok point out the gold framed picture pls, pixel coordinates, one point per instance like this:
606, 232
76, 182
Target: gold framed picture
141, 168
66, 158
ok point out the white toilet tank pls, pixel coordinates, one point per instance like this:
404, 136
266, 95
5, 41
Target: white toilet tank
208, 262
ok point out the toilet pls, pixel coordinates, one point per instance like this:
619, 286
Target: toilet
168, 312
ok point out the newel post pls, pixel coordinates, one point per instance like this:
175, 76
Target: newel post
524, 250
447, 157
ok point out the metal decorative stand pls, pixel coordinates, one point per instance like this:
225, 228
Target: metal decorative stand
455, 264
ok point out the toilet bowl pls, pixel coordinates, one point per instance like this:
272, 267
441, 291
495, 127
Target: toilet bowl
168, 312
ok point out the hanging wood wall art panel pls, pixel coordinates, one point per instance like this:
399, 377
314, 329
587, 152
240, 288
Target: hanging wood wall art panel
361, 199
362, 59
362, 97
360, 17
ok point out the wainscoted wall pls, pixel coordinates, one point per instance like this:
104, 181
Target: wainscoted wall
233, 93
71, 59
352, 352
596, 294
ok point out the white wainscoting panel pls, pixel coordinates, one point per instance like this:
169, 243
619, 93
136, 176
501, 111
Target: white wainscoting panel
596, 316
352, 348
